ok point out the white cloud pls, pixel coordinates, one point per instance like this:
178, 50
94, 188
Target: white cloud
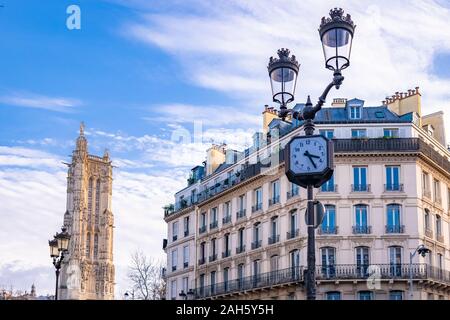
31, 100
226, 46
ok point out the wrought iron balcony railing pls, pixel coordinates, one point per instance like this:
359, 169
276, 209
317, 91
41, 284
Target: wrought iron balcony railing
256, 244
393, 187
327, 230
202, 229
362, 229
360, 187
292, 234
226, 219
257, 207
240, 214
274, 239
185, 264
226, 254
202, 260
186, 233
328, 188
269, 279
240, 249
213, 225
395, 229
274, 200
174, 268
292, 193
174, 238
213, 257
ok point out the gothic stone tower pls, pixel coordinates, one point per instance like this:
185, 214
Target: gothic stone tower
88, 270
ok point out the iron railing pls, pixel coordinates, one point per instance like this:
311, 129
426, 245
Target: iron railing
292, 234
186, 233
395, 229
226, 219
202, 260
274, 239
226, 254
360, 187
328, 188
213, 224
174, 238
257, 207
292, 193
393, 187
274, 200
240, 214
213, 257
202, 229
362, 229
256, 244
240, 249
327, 230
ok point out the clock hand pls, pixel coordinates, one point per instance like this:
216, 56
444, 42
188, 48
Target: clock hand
314, 156
310, 158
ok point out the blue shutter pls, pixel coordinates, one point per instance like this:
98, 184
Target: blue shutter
389, 185
396, 181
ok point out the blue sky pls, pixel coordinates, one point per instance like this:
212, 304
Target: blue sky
143, 73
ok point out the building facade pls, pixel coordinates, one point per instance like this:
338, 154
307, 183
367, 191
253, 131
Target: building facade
87, 272
390, 193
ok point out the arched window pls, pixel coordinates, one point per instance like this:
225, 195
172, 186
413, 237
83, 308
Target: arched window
88, 245
90, 199
97, 201
96, 246
394, 219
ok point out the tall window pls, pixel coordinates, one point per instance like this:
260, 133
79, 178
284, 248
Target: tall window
294, 189
393, 219
256, 235
203, 219
438, 226
175, 231
362, 260
329, 185
226, 245
256, 270
355, 112
274, 236
226, 276
294, 256
227, 209
365, 295
329, 220
174, 259
275, 189
293, 224
359, 133
97, 202
242, 202
395, 260
185, 284
241, 240
213, 249
241, 274
437, 191
202, 251
213, 218
360, 179
392, 178
396, 295
185, 256
173, 290
258, 199
391, 133
427, 220
333, 295
90, 199
202, 283
193, 193
186, 226
88, 245
328, 261
327, 133
426, 183
96, 246
440, 264
274, 263
361, 219
213, 282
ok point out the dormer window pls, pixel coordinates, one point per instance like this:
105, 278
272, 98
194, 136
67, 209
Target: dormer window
355, 112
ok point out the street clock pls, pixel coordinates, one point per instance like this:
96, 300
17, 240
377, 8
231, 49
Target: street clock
309, 160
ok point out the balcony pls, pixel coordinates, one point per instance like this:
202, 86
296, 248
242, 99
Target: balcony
256, 244
185, 264
393, 187
362, 229
325, 230
395, 229
328, 188
292, 234
186, 233
274, 200
240, 214
263, 280
202, 229
292, 193
428, 232
213, 225
226, 254
201, 261
174, 238
274, 239
360, 187
256, 207
240, 249
226, 219
213, 257
174, 268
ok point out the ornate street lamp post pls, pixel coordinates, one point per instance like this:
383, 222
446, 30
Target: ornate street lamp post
422, 250
59, 246
309, 159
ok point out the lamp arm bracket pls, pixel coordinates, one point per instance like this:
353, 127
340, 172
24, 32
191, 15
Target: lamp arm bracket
338, 78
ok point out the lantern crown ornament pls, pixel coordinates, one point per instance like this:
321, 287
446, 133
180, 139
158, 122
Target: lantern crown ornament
283, 60
337, 17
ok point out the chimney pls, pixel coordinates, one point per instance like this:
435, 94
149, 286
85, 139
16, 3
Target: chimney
215, 156
405, 102
339, 102
269, 114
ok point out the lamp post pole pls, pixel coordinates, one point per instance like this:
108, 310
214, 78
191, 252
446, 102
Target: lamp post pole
422, 250
59, 246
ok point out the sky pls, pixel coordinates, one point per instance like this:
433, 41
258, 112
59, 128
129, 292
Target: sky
156, 82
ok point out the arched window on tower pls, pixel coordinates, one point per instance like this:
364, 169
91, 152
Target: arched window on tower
96, 246
90, 200
97, 201
88, 245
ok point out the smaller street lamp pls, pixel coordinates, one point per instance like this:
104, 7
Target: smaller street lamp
422, 250
59, 246
190, 294
183, 295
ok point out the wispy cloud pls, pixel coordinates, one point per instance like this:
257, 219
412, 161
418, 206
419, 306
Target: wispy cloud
31, 100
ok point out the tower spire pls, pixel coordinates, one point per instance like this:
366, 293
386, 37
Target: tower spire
81, 147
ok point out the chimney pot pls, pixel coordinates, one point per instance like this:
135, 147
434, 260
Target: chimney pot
417, 90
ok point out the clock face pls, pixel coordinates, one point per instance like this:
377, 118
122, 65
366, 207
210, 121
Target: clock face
308, 155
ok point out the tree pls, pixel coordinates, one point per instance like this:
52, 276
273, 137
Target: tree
146, 276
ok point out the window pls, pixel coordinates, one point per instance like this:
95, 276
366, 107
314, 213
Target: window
440, 265
391, 133
392, 178
88, 245
96, 246
258, 199
185, 256
226, 276
241, 241
430, 296
360, 179
186, 226
329, 220
256, 270
328, 261
361, 220
173, 290
174, 259
202, 251
213, 281
395, 260
90, 199
274, 236
430, 258
274, 263
242, 202
438, 226
294, 256
362, 260
203, 220
365, 295
293, 225
241, 275
226, 245
427, 220
185, 284
193, 193
327, 133
396, 295
202, 283
227, 209
256, 235
393, 219
275, 189
379, 114
333, 295
213, 216
97, 202
437, 191
355, 112
329, 185
213, 250
426, 184
359, 133
175, 231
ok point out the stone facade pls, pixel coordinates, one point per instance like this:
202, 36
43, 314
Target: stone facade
88, 270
